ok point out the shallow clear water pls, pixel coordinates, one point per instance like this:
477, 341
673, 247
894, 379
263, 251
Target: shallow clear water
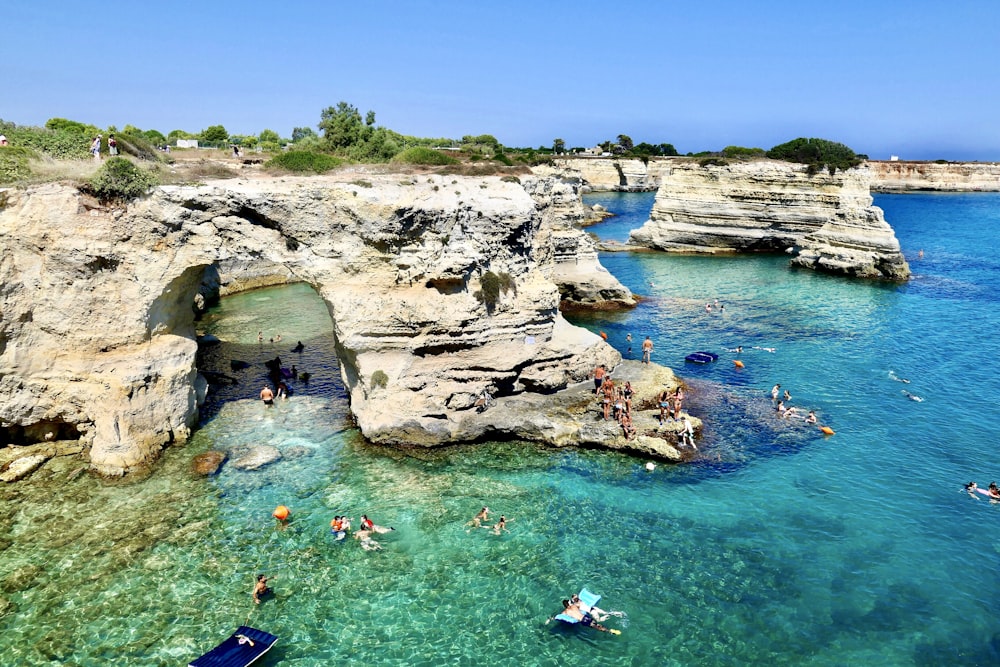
777, 546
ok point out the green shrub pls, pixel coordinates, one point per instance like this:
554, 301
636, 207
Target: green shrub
713, 162
302, 161
119, 180
379, 379
423, 155
491, 285
14, 163
742, 151
137, 146
362, 184
60, 144
816, 154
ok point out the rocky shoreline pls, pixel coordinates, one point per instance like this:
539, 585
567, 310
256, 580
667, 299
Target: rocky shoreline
439, 286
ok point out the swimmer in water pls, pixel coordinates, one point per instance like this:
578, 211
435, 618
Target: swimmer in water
971, 488
893, 376
912, 397
766, 349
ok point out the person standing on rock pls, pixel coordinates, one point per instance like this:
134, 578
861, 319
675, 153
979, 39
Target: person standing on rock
599, 374
267, 396
647, 350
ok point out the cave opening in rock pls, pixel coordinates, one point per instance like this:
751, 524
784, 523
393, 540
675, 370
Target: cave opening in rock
242, 336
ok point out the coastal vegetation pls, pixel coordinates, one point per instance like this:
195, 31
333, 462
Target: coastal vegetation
119, 180
817, 154
303, 161
346, 135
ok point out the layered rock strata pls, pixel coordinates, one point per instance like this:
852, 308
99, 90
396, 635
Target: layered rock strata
904, 176
609, 174
566, 254
97, 336
827, 222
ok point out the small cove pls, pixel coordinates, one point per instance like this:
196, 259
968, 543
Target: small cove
776, 546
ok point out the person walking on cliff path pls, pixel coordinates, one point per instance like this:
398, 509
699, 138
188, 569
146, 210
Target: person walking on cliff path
647, 350
95, 147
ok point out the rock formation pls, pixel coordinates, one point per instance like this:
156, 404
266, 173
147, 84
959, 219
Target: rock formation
609, 174
566, 254
97, 337
827, 221
904, 176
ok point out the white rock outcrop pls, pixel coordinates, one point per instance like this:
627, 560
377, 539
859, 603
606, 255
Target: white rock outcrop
905, 176
566, 254
96, 306
827, 221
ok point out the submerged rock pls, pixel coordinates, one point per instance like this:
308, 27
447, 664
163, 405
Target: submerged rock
20, 468
208, 463
257, 457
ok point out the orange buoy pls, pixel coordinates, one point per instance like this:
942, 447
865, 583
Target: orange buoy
604, 335
281, 513
737, 363
826, 429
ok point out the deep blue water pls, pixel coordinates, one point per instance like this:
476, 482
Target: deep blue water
778, 545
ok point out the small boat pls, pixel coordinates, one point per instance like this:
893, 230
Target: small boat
701, 357
242, 648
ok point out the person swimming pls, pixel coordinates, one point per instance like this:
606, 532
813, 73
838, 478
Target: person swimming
260, 589
893, 376
912, 397
483, 515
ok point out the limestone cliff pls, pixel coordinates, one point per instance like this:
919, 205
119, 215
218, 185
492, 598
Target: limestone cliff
827, 222
566, 254
96, 307
902, 176
609, 173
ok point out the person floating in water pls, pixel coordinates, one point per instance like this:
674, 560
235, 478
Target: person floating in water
893, 376
482, 516
572, 609
299, 347
500, 525
811, 417
260, 589
787, 396
912, 397
972, 487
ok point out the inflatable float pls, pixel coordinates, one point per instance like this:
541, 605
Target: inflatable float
701, 357
242, 648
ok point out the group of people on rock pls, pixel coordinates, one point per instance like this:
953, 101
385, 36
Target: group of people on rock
615, 400
670, 404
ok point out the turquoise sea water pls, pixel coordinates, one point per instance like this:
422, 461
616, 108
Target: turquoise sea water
776, 546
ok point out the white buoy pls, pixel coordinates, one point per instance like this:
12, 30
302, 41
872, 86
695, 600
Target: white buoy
650, 466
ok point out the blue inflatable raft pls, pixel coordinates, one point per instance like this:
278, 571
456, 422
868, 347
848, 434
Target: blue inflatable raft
587, 600
701, 357
243, 648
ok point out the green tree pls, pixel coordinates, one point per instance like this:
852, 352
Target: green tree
154, 136
269, 137
625, 142
558, 146
668, 149
300, 133
816, 154
214, 133
342, 126
174, 135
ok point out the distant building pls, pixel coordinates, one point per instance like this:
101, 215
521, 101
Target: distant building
893, 158
187, 143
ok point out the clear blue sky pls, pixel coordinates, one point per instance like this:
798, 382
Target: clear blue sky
919, 79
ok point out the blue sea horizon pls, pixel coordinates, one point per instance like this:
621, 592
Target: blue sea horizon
777, 545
